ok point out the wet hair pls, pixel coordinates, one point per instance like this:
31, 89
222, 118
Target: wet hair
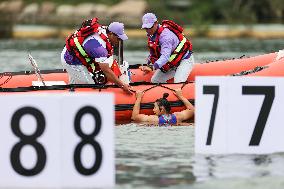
164, 102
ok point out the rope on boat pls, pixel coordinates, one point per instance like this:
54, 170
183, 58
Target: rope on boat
9, 77
73, 87
150, 88
184, 84
254, 70
208, 61
29, 72
161, 85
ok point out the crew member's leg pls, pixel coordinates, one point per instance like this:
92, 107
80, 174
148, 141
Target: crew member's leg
78, 74
160, 77
184, 69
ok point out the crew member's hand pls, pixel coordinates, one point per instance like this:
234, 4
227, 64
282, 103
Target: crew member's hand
127, 88
145, 69
139, 94
178, 92
156, 66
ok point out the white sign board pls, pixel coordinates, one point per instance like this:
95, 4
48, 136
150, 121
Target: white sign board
239, 115
57, 140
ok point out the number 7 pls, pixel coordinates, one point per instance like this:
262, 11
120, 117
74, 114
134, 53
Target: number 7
215, 91
269, 92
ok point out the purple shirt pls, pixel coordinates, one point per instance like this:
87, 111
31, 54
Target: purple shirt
168, 42
93, 48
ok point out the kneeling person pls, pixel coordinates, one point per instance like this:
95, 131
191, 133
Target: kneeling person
170, 51
88, 53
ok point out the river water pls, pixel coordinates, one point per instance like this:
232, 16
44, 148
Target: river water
158, 157
13, 53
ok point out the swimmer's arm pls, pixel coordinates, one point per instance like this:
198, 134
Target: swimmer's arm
142, 118
188, 105
185, 114
136, 107
136, 116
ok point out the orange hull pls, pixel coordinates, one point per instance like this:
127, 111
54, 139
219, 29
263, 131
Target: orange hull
22, 82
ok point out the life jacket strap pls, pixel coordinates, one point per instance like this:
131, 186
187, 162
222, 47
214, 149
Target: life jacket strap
178, 49
81, 50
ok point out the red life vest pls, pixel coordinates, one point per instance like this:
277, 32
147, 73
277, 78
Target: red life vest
183, 47
74, 44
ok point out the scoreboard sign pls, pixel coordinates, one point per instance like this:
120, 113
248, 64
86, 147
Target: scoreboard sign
239, 115
57, 140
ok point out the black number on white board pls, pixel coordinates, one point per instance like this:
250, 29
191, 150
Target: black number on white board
28, 140
88, 139
269, 94
215, 91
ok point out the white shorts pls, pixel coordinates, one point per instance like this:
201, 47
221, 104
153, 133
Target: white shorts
78, 74
180, 74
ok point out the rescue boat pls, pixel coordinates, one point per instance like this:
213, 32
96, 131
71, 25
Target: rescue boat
56, 81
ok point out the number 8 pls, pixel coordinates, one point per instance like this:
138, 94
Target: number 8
88, 139
28, 140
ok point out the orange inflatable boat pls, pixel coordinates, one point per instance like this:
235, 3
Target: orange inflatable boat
27, 81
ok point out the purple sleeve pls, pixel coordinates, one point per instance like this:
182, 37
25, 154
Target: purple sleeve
168, 42
95, 49
71, 59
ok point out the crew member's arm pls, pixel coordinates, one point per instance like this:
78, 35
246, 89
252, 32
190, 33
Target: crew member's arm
112, 77
136, 116
148, 68
185, 114
95, 49
168, 41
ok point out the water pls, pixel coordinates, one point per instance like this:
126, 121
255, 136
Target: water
158, 157
13, 53
144, 159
